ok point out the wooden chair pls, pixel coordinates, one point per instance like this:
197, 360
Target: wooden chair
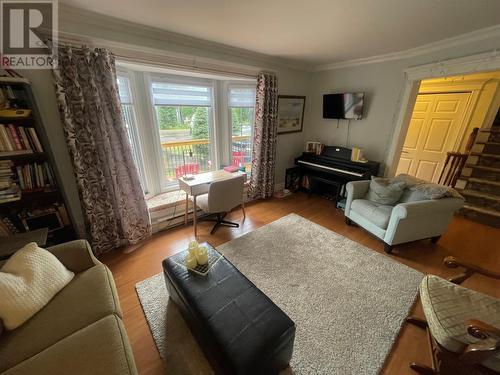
463, 326
455, 162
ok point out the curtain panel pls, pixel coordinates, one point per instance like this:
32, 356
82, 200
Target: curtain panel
264, 137
112, 199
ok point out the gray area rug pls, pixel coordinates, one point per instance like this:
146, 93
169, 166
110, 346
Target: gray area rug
347, 301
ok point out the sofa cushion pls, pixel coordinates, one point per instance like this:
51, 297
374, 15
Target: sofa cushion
448, 307
378, 214
410, 195
427, 189
383, 192
90, 296
28, 281
102, 348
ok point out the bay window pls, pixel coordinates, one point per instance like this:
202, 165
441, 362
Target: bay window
241, 103
183, 114
129, 117
185, 125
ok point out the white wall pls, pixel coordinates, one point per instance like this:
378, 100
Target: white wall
383, 83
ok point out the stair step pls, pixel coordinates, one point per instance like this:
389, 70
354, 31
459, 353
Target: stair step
480, 180
481, 210
481, 215
491, 169
480, 194
490, 130
488, 143
494, 156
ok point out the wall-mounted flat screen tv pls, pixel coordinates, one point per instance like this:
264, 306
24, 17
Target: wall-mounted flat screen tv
343, 106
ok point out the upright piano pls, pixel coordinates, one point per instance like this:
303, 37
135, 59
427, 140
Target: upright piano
334, 166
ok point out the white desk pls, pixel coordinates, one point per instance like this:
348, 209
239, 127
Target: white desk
199, 185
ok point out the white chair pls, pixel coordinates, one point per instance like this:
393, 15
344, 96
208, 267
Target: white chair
221, 198
410, 219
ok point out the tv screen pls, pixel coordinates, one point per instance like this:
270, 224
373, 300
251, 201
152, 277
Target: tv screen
343, 106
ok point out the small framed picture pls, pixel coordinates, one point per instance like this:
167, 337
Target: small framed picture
314, 148
290, 113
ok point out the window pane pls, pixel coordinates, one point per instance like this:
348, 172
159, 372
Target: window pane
242, 97
185, 140
124, 90
130, 124
241, 127
165, 93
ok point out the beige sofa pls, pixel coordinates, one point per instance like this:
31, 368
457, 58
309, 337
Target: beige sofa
80, 331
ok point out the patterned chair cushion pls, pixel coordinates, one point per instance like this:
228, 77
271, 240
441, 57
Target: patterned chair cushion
448, 307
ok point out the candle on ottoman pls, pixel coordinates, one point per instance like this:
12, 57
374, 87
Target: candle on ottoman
193, 248
191, 262
202, 255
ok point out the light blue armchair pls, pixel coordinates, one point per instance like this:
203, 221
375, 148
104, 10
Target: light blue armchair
411, 219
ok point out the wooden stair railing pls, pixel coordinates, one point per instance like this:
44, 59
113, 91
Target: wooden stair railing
456, 160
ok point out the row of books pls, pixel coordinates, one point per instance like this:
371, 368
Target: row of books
52, 217
18, 139
9, 191
35, 176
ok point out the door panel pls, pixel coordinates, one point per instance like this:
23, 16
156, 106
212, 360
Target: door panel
447, 106
404, 166
421, 106
438, 133
413, 134
426, 169
433, 131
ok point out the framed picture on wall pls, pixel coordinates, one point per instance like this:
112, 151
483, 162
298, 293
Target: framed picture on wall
290, 113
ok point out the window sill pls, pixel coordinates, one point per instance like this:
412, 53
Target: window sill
165, 200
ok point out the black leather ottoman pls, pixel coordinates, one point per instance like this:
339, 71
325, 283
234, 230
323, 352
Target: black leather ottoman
240, 330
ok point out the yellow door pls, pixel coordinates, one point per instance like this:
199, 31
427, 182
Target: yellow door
434, 130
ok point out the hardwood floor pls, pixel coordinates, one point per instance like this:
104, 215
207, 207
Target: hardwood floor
465, 239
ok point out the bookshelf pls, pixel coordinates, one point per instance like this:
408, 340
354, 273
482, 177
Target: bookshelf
30, 195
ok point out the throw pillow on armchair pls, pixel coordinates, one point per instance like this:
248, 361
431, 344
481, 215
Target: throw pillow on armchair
382, 191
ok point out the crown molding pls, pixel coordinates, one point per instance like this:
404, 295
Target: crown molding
71, 15
474, 36
477, 63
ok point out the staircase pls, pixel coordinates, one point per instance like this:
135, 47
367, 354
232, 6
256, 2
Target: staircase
480, 179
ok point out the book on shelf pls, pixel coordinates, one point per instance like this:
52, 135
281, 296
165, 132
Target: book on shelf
13, 193
9, 191
15, 137
35, 176
52, 216
63, 214
15, 140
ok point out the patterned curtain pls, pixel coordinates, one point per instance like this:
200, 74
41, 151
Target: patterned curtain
264, 137
112, 199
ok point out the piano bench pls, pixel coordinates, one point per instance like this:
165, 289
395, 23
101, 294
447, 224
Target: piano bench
314, 180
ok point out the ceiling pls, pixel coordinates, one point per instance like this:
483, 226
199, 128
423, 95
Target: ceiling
309, 31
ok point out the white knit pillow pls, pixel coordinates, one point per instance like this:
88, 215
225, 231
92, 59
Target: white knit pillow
28, 281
